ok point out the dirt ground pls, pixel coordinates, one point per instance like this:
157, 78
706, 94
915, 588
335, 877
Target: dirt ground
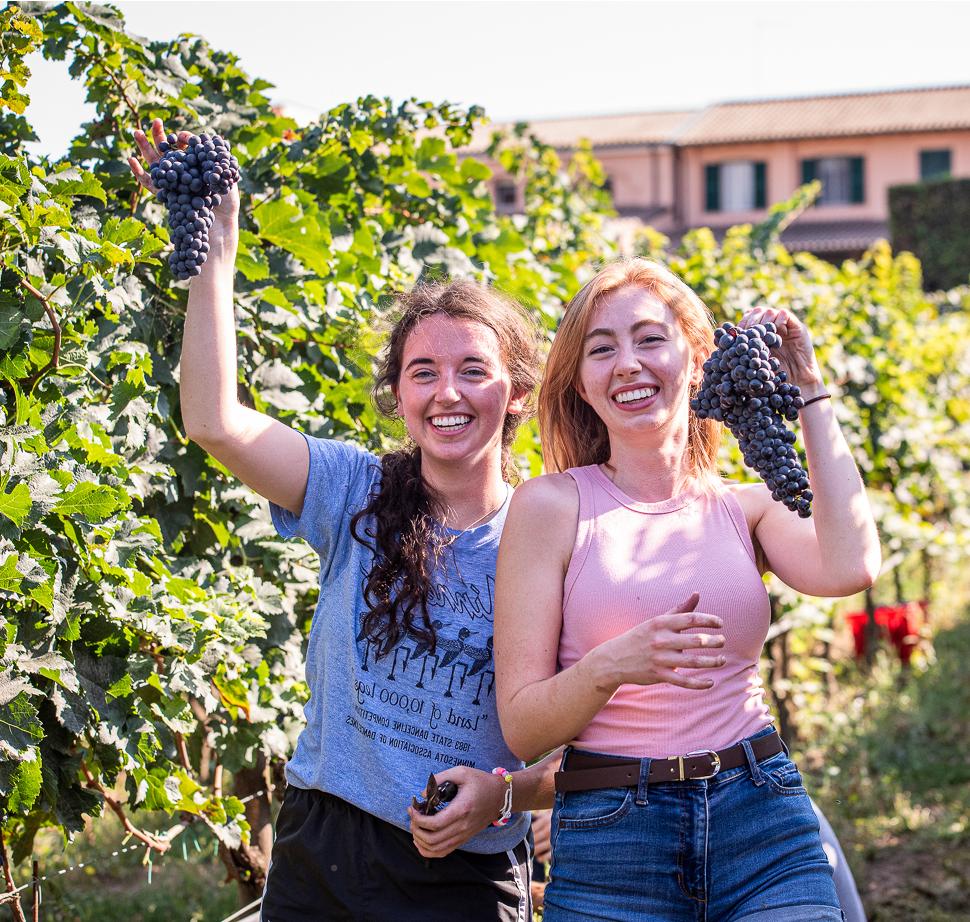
906, 881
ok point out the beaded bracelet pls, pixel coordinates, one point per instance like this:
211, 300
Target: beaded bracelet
816, 400
507, 805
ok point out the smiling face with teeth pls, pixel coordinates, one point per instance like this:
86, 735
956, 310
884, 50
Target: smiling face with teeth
637, 365
454, 391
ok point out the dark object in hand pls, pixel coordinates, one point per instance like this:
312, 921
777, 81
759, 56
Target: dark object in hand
438, 796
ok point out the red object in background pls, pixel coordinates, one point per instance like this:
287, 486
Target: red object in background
898, 623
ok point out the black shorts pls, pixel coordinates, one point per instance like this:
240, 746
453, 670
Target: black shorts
332, 860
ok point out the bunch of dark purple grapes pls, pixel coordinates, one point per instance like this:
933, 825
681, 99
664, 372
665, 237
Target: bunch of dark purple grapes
745, 388
191, 182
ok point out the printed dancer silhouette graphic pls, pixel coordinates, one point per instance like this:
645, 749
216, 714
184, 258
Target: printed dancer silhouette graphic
453, 649
480, 659
424, 649
421, 649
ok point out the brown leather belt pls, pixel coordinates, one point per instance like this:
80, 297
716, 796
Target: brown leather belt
586, 772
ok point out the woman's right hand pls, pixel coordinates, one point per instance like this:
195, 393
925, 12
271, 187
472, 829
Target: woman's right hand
225, 215
660, 648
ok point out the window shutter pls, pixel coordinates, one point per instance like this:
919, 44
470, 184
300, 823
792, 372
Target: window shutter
760, 197
856, 180
809, 171
712, 187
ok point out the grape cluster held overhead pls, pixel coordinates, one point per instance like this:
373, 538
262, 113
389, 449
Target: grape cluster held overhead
191, 182
745, 388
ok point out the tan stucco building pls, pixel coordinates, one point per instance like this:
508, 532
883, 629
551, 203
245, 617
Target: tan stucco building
726, 164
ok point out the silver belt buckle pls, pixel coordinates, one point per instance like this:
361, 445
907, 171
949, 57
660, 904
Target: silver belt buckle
700, 752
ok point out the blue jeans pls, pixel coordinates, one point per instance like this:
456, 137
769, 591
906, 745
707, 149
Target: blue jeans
743, 845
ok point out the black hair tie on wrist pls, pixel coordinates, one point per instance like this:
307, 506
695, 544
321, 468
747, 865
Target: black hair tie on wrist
816, 400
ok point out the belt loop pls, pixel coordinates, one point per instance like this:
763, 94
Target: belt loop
756, 775
641, 800
565, 757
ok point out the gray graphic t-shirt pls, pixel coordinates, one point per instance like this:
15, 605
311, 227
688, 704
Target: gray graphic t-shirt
375, 727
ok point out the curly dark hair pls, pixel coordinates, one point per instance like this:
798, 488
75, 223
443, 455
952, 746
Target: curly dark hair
402, 515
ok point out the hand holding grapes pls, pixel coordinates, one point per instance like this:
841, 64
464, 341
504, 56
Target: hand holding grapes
195, 176
746, 387
796, 352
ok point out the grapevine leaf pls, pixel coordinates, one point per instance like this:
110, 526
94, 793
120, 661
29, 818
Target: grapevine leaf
25, 785
122, 688
71, 708
474, 169
251, 260
74, 803
154, 791
52, 666
16, 504
272, 295
91, 501
10, 578
20, 728
122, 393
72, 180
283, 223
11, 686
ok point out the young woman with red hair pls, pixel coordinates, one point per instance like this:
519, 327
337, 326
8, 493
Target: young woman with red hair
631, 614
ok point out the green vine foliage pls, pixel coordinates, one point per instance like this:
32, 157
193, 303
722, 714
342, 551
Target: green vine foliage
151, 622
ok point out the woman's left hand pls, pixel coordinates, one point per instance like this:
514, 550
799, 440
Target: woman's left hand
796, 352
478, 802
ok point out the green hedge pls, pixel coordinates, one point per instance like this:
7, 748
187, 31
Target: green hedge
932, 220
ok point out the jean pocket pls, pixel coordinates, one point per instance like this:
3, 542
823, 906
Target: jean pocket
593, 809
783, 776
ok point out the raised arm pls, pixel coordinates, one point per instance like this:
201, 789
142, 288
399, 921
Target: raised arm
836, 551
264, 453
539, 707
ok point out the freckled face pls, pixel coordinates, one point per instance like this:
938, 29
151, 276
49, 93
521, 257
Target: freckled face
637, 365
454, 390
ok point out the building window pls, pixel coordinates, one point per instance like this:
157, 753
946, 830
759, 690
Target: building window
738, 185
842, 178
506, 196
934, 164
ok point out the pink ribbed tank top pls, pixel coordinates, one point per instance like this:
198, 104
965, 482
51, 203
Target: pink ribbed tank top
633, 561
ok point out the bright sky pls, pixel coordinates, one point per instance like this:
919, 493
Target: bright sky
545, 58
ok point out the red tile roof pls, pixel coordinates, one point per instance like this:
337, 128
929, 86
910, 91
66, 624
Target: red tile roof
928, 109
884, 112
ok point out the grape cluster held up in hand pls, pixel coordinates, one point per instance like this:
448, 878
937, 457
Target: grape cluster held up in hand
191, 182
745, 388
